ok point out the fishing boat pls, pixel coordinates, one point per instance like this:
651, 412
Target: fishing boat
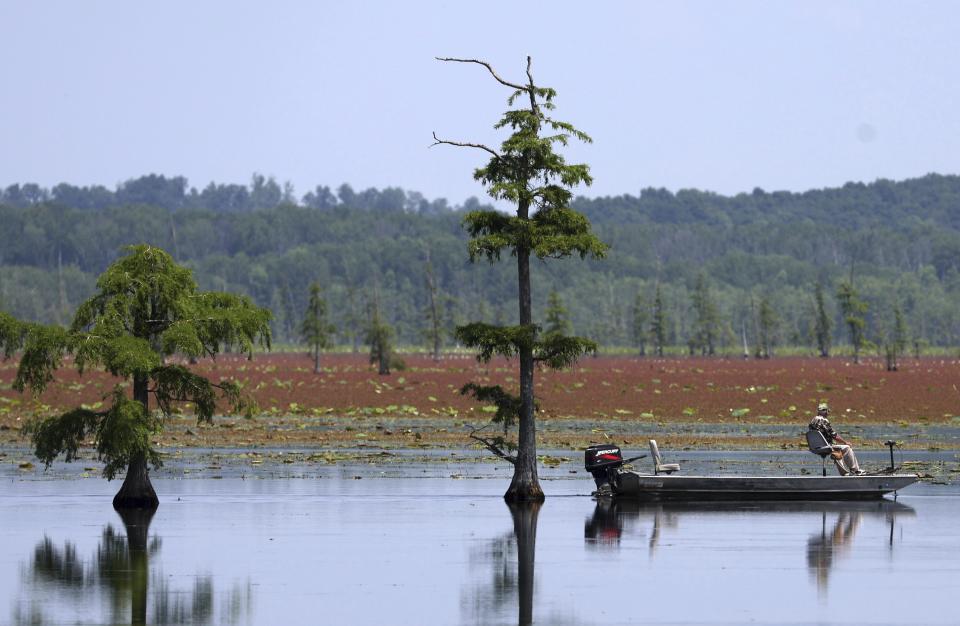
606, 464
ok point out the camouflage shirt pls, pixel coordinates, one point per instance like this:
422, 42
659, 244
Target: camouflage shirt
822, 424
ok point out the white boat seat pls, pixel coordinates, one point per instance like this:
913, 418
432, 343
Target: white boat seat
658, 465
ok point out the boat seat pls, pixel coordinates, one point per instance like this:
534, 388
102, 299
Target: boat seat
819, 445
658, 465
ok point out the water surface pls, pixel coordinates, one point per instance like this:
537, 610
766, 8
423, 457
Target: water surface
412, 545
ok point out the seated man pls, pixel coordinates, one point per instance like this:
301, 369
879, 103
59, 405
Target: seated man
821, 423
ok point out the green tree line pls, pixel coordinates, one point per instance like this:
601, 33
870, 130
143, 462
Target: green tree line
701, 267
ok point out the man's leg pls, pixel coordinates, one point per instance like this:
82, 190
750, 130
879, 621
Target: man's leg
849, 458
840, 463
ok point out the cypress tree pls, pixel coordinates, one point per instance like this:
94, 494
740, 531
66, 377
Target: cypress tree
658, 322
147, 308
315, 330
527, 173
822, 324
854, 309
556, 318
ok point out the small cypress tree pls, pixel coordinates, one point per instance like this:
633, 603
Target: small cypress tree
315, 329
895, 342
380, 339
658, 322
854, 309
435, 330
767, 321
641, 315
556, 318
526, 172
147, 307
822, 324
707, 326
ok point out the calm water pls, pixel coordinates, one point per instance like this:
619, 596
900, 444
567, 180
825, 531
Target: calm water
412, 545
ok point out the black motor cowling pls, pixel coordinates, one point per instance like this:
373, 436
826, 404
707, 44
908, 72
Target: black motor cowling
602, 462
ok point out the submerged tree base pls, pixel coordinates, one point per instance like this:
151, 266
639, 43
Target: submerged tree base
524, 491
136, 492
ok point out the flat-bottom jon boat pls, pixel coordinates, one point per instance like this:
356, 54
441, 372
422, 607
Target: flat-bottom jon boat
606, 464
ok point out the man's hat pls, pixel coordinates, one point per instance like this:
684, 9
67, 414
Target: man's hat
823, 408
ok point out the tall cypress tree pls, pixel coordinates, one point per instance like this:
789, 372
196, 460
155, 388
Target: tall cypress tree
526, 172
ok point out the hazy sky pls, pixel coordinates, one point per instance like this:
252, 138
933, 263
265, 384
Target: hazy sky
725, 96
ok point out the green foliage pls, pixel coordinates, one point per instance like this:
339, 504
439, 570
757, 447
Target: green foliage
508, 405
854, 309
120, 434
491, 340
315, 330
767, 322
558, 351
760, 242
556, 316
707, 323
147, 307
379, 336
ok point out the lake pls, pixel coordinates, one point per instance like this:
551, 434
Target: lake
434, 543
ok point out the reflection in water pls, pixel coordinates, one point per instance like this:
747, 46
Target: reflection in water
824, 548
612, 515
838, 525
511, 558
120, 571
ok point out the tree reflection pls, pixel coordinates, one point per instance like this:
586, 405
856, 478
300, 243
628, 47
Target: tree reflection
511, 558
119, 572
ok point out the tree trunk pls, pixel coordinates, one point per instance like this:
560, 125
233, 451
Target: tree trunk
137, 524
316, 359
525, 486
525, 529
136, 492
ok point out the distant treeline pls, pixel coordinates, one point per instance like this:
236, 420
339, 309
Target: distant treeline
897, 242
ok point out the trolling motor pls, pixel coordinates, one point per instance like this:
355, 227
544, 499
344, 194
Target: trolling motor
603, 462
890, 445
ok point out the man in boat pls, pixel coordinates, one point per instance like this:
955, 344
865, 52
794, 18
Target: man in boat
842, 453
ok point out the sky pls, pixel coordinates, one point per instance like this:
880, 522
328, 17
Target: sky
721, 96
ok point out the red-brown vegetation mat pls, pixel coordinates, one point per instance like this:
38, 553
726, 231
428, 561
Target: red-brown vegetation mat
349, 403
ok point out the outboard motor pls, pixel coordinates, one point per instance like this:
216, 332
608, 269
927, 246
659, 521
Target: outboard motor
603, 462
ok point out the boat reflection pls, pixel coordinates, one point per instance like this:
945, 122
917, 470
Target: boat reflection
837, 525
59, 585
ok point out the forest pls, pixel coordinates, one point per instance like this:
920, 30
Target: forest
687, 272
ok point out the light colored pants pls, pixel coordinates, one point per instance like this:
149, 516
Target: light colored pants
848, 465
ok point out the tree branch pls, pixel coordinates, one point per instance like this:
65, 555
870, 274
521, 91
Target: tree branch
492, 447
490, 69
437, 141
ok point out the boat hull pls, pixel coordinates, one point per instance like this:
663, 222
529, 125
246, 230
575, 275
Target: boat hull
664, 487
